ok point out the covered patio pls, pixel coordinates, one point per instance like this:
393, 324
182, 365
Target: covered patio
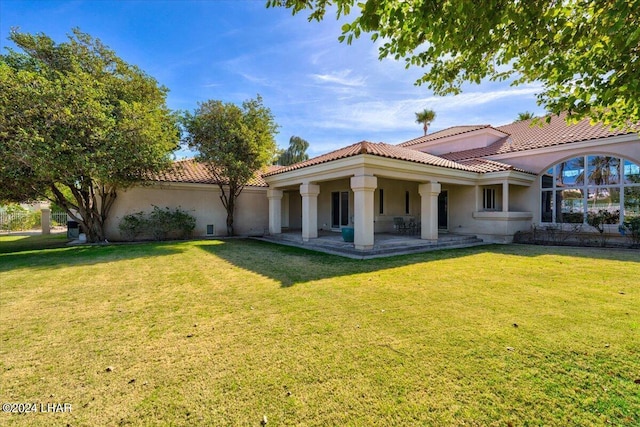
366, 186
385, 244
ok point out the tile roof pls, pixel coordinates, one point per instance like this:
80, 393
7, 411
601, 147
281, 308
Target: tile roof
382, 150
485, 166
444, 133
526, 135
192, 171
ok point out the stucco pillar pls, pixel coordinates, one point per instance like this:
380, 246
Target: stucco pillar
363, 191
309, 193
429, 209
45, 220
505, 196
275, 210
478, 194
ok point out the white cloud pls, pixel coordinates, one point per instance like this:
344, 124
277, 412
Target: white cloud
340, 77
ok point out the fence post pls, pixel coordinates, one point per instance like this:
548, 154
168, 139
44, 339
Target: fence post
46, 220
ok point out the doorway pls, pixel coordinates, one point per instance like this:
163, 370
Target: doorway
339, 209
443, 210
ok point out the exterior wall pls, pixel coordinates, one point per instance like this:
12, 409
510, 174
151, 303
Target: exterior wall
202, 201
295, 210
394, 203
491, 226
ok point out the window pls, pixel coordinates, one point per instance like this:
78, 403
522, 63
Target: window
406, 203
489, 199
585, 185
381, 201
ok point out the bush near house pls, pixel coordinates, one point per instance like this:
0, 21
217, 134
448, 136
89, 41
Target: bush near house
159, 224
631, 229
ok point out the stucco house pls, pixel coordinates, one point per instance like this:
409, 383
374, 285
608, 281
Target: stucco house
474, 180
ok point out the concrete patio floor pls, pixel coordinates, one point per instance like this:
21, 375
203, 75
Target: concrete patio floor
385, 244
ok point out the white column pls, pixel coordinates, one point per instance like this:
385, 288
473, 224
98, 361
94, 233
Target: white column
505, 197
275, 210
429, 209
478, 193
309, 193
363, 194
45, 220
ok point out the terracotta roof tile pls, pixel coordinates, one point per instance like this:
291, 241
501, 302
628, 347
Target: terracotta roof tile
444, 133
525, 136
376, 149
486, 166
192, 171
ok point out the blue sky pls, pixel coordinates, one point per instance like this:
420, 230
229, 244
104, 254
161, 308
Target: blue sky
329, 93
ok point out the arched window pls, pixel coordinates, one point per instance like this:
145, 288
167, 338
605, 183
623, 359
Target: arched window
588, 184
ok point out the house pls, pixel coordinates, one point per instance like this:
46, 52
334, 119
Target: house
474, 180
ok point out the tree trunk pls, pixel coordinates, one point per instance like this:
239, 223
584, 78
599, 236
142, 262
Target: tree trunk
230, 208
86, 210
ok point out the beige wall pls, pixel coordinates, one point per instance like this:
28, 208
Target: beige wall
202, 201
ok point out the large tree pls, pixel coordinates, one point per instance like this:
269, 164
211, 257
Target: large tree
584, 52
296, 152
233, 142
77, 124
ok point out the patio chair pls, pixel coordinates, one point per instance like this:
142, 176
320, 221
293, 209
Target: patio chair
399, 225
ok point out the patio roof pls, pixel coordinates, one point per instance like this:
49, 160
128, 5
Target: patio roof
389, 151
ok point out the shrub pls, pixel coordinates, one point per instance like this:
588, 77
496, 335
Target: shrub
132, 225
160, 224
631, 228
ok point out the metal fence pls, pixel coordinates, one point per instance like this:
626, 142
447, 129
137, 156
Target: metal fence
27, 220
59, 218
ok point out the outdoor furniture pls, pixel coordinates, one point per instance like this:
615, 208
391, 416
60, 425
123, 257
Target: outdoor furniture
412, 226
399, 225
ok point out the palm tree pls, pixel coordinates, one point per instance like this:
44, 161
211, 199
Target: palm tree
525, 116
425, 117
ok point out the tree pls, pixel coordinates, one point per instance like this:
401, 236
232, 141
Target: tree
234, 143
527, 115
297, 152
584, 52
425, 117
78, 124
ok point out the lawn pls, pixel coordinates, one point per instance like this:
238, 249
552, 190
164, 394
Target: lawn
226, 332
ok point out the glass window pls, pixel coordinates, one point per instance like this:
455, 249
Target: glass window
631, 173
570, 173
631, 202
603, 170
547, 180
547, 206
587, 185
489, 199
406, 202
572, 205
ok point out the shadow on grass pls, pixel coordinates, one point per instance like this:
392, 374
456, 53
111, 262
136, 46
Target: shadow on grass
83, 255
290, 265
10, 243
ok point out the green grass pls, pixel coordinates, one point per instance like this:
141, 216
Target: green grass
24, 242
225, 332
